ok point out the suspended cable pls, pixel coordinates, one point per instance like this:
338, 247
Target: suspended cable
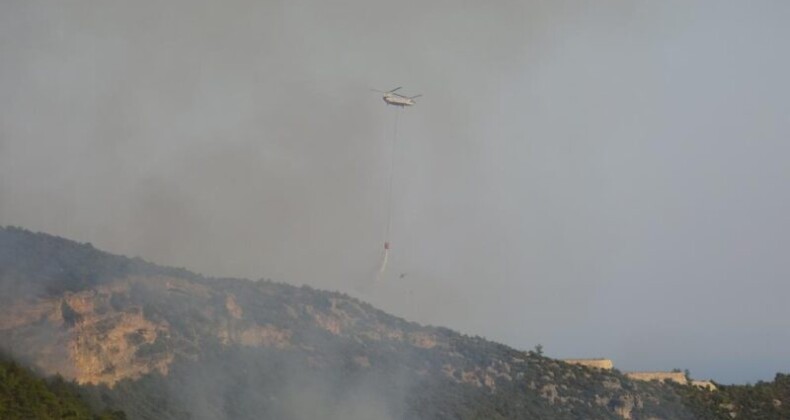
385, 256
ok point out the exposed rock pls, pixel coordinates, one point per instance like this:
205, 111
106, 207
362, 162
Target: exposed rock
423, 340
233, 308
266, 335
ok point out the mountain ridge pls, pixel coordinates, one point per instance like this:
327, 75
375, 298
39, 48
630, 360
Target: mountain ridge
165, 343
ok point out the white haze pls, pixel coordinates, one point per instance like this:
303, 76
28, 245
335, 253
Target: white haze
604, 178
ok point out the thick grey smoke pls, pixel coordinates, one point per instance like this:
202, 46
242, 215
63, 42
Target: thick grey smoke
607, 179
211, 393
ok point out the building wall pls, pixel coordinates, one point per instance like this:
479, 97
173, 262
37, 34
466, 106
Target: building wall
605, 364
678, 377
704, 384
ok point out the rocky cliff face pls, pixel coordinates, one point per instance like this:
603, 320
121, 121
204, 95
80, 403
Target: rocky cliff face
113, 331
157, 342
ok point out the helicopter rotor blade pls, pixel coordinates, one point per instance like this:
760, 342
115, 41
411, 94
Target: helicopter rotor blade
415, 96
393, 90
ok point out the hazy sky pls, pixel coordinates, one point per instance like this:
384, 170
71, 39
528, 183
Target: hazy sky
607, 179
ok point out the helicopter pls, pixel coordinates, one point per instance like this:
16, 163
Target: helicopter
392, 98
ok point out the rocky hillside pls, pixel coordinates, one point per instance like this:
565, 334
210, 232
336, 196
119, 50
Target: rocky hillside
164, 343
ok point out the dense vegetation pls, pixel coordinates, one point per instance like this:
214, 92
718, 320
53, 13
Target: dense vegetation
25, 396
761, 401
44, 265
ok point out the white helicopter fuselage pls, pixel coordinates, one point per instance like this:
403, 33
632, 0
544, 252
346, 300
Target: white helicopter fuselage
397, 100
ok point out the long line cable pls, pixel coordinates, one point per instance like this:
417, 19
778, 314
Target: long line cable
388, 227
392, 175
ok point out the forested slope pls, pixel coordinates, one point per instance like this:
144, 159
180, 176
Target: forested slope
25, 396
